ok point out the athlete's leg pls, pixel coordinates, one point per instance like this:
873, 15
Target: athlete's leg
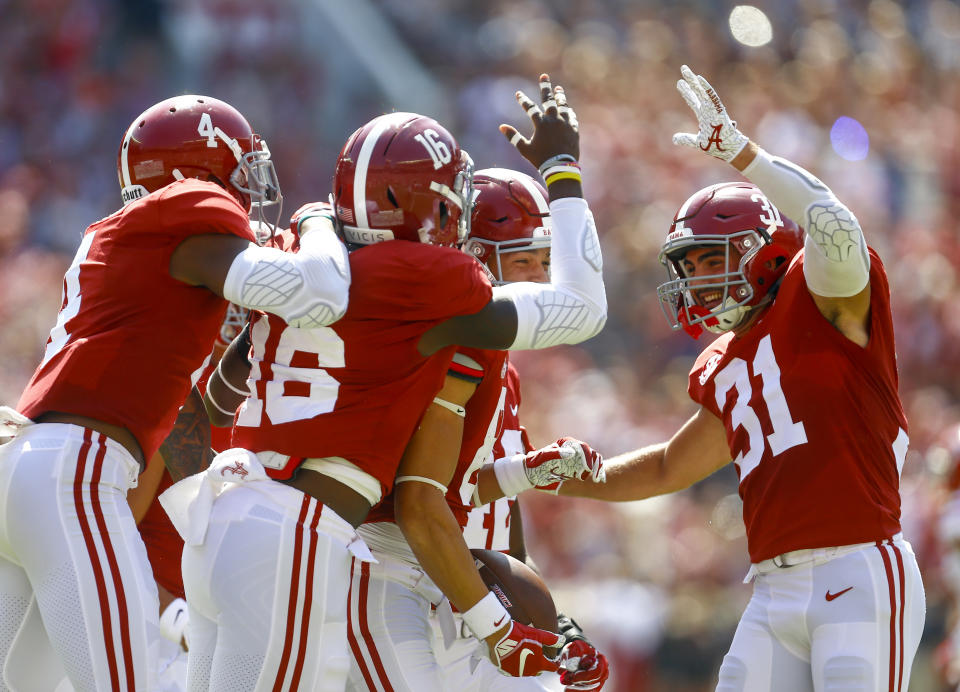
273, 573
202, 638
866, 616
82, 553
390, 632
759, 659
465, 667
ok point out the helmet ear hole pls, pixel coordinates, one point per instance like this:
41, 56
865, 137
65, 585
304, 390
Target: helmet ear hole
444, 214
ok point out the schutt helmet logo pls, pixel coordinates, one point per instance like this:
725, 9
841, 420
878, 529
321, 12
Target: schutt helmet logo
237, 469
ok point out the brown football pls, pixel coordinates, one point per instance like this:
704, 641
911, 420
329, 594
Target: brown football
519, 588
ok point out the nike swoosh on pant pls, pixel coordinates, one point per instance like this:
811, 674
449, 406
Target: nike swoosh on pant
830, 596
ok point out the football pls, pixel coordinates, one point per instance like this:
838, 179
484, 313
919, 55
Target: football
519, 588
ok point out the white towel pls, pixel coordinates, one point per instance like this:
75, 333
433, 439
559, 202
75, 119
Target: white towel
189, 502
12, 422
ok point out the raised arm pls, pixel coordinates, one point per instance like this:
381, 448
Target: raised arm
836, 261
573, 306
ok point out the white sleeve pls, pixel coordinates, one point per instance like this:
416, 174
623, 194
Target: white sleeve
573, 306
308, 289
836, 262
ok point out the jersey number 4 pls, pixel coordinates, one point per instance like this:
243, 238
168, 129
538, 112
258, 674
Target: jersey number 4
786, 433
70, 305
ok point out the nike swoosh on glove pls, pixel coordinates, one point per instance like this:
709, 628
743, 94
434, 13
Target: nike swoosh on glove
519, 653
584, 668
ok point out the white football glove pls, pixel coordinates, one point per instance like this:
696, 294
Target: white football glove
548, 467
718, 135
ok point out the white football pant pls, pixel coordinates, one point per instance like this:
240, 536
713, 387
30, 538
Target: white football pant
267, 593
465, 667
850, 622
394, 642
73, 568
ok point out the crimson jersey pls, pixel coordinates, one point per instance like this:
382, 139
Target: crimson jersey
813, 421
358, 388
481, 426
129, 336
488, 527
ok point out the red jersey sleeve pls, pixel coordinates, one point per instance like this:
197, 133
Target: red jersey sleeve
195, 207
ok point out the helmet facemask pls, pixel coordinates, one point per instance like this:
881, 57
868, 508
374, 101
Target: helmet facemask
490, 252
459, 197
256, 179
716, 302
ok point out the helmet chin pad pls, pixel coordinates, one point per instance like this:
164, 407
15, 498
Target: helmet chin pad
726, 316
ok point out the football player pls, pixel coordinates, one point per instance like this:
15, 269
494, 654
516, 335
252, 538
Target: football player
330, 410
800, 390
142, 302
391, 632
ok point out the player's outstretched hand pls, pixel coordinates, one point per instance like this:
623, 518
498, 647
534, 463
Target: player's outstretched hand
584, 668
718, 134
591, 461
548, 467
556, 131
566, 459
519, 652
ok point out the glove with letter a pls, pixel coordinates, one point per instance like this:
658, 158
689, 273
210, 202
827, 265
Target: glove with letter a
718, 134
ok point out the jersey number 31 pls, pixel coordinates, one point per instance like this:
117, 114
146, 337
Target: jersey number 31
786, 433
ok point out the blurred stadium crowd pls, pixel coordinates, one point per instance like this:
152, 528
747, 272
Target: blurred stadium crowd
658, 583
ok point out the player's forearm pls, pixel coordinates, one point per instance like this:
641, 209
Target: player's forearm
632, 476
488, 489
837, 263
437, 541
186, 450
573, 306
227, 385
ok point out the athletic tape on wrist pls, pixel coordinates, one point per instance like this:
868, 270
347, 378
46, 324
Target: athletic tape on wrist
486, 616
512, 475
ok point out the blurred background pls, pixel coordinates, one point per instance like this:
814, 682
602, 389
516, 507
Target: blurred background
863, 93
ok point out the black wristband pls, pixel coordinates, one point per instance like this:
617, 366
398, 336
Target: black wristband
569, 628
